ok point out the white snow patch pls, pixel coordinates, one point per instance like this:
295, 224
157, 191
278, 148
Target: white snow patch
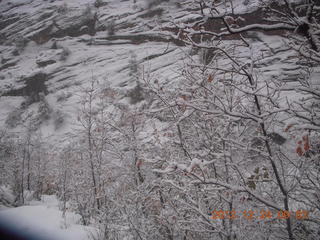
45, 220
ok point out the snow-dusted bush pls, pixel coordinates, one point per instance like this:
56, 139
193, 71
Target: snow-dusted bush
54, 44
62, 9
111, 28
15, 52
99, 3
3, 38
23, 163
6, 197
65, 53
136, 94
14, 118
58, 119
152, 3
87, 12
246, 2
20, 43
44, 109
133, 65
63, 96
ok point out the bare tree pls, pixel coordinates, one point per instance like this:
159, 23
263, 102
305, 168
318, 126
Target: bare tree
244, 159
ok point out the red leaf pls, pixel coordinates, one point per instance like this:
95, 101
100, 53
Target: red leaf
288, 127
306, 145
299, 151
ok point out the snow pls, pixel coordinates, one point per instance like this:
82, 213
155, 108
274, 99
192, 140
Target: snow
49, 56
90, 56
7, 104
44, 220
107, 59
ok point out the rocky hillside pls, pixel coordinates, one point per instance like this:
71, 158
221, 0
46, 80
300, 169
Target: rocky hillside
51, 49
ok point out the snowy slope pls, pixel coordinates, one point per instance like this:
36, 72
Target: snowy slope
51, 39
88, 57
43, 220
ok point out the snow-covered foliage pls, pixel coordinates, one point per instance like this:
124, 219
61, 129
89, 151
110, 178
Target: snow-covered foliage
145, 117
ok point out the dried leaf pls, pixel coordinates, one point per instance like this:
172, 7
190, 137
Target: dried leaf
305, 138
288, 127
184, 97
299, 151
139, 163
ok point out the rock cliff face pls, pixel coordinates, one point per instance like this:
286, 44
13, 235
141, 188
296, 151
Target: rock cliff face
55, 48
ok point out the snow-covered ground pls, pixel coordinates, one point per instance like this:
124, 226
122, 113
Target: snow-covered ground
44, 220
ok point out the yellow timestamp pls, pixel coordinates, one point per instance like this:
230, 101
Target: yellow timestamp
260, 215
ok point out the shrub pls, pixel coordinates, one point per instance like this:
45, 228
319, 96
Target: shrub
87, 12
15, 52
62, 9
54, 45
20, 43
152, 3
99, 3
58, 119
111, 28
44, 109
133, 64
246, 2
65, 53
14, 118
136, 94
63, 96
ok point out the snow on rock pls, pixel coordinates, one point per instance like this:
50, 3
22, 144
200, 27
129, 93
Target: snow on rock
51, 37
49, 57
